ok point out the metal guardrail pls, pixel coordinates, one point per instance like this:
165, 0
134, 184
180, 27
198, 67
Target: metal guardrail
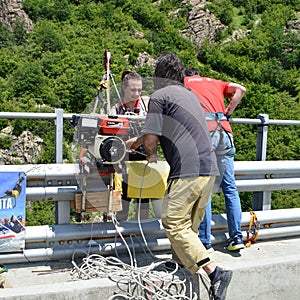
61, 242
250, 176
262, 189
57, 182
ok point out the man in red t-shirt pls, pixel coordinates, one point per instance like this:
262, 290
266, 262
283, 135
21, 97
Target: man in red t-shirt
211, 93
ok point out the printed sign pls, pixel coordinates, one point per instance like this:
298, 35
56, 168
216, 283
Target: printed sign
12, 211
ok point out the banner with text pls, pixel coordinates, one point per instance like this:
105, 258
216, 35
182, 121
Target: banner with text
12, 211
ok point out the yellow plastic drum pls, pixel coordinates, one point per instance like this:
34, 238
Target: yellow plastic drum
147, 183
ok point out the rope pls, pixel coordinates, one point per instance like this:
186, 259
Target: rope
139, 210
157, 281
252, 232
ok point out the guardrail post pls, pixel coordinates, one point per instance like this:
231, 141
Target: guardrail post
262, 200
59, 127
62, 209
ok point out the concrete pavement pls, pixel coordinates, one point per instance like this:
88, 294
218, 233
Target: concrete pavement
267, 270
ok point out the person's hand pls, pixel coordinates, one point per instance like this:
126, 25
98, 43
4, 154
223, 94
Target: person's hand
130, 143
152, 158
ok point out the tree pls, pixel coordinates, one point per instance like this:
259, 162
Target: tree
28, 79
6, 38
60, 63
59, 10
223, 9
46, 37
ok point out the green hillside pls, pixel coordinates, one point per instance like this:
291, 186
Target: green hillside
60, 63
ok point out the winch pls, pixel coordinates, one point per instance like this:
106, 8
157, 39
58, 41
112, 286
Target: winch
102, 149
101, 136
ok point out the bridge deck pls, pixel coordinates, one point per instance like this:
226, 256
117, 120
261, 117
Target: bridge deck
269, 269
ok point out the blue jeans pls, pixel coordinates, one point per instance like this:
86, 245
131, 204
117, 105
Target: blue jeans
223, 146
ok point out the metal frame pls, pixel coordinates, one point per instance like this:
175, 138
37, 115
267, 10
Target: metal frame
57, 182
261, 195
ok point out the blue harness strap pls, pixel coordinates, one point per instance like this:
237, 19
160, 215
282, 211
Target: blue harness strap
215, 116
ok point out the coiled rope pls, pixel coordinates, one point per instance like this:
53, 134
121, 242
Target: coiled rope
157, 281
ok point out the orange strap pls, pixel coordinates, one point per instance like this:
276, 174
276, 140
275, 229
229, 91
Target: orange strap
252, 232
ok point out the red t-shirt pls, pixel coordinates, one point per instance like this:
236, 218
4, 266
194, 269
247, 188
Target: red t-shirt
211, 93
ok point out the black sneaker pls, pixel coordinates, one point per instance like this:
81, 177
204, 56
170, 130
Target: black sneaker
209, 248
235, 244
173, 265
219, 285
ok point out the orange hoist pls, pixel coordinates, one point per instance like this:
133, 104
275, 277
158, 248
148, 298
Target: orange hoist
252, 232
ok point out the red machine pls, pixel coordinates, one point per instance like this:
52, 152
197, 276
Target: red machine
102, 148
101, 136
113, 125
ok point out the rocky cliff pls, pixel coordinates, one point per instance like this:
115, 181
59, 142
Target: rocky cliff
11, 11
201, 23
25, 148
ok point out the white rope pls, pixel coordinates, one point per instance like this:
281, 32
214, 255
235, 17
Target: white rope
139, 211
156, 281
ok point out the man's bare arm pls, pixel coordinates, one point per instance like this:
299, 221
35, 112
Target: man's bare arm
238, 92
135, 142
150, 144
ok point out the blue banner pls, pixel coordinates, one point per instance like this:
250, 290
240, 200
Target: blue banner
12, 211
